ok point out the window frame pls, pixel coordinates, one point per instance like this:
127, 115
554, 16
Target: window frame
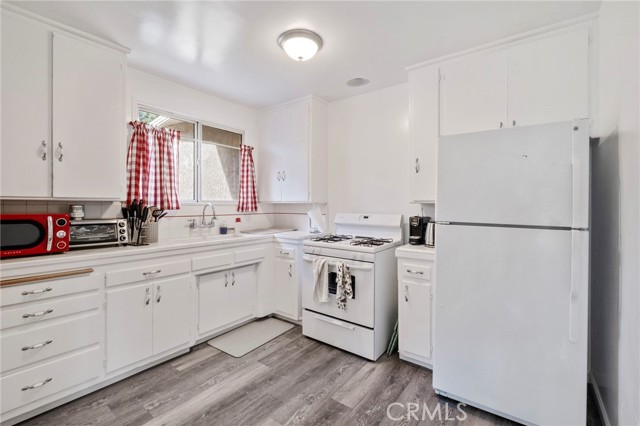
145, 106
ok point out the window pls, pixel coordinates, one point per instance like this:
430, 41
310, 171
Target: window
209, 157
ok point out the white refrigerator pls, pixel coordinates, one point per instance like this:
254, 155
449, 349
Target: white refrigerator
512, 272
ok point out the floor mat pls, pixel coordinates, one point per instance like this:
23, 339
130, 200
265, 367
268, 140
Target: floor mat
243, 340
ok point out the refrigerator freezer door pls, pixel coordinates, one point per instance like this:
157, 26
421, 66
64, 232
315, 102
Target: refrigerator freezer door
531, 176
511, 321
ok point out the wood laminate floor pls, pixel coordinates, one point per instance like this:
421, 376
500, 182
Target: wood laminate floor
292, 380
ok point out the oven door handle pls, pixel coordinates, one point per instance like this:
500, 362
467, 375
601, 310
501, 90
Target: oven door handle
334, 264
335, 322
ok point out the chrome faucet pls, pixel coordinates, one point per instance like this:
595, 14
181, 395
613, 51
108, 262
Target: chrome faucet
211, 224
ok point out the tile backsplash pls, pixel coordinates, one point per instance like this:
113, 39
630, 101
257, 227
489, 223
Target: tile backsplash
176, 223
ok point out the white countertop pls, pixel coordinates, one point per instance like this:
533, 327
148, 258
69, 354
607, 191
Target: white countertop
95, 254
416, 251
295, 235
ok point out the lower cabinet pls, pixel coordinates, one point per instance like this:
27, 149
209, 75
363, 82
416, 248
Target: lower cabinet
416, 281
286, 279
414, 316
225, 297
146, 319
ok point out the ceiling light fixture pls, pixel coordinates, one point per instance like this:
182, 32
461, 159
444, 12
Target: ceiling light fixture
358, 81
300, 45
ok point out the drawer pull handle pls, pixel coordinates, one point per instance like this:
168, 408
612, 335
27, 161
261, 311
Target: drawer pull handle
40, 291
37, 385
37, 345
157, 271
336, 323
415, 272
233, 278
286, 253
37, 314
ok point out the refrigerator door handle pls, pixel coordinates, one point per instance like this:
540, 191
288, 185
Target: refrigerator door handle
576, 171
574, 291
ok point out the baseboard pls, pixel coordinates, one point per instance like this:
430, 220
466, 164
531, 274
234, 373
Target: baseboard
601, 408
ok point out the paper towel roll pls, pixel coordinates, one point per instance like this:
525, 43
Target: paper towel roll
317, 219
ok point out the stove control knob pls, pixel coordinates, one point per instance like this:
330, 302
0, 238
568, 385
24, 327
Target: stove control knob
61, 234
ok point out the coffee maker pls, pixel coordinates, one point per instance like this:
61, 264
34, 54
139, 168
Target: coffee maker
417, 229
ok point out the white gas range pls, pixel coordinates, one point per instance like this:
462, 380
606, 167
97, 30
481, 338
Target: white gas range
364, 243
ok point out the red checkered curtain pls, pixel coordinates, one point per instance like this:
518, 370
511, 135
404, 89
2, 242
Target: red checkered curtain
152, 166
247, 198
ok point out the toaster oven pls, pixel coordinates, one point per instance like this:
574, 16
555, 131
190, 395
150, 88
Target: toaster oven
98, 232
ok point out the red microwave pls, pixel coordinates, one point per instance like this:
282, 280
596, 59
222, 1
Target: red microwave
33, 234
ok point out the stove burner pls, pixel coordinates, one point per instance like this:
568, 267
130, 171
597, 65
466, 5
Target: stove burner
332, 238
370, 242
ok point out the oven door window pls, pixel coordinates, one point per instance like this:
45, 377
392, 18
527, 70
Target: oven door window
333, 285
92, 233
23, 234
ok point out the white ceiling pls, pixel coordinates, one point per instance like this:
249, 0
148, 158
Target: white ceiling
230, 49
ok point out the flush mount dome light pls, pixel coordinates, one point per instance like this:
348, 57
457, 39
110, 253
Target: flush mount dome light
300, 44
358, 81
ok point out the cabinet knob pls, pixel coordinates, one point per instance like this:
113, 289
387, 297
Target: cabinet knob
233, 278
43, 144
284, 176
417, 165
60, 152
406, 293
501, 124
279, 177
514, 123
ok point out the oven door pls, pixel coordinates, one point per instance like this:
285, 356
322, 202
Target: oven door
360, 308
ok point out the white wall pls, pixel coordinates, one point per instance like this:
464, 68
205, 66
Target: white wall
368, 154
615, 230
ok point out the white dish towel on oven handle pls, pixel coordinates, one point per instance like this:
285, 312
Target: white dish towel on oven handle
344, 290
320, 280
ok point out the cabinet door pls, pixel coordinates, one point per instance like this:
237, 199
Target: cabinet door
286, 288
423, 110
25, 164
415, 318
129, 325
88, 120
171, 313
269, 156
242, 294
474, 94
295, 147
549, 79
213, 301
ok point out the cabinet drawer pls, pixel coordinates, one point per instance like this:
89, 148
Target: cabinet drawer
343, 335
285, 251
248, 255
34, 313
49, 288
39, 382
149, 272
17, 350
415, 270
213, 261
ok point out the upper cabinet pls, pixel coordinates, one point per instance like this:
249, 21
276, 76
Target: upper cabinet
549, 80
292, 157
26, 118
474, 94
541, 81
423, 119
63, 116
